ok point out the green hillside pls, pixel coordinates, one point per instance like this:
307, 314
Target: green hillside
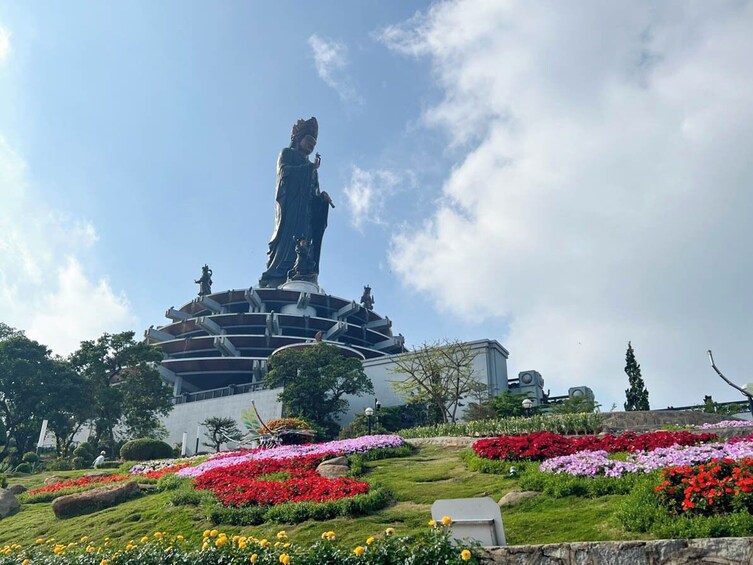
416, 481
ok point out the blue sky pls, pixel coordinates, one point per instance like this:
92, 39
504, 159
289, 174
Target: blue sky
560, 180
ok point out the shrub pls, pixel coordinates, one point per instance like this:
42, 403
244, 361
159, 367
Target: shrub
85, 450
30, 457
79, 463
144, 449
23, 468
60, 465
563, 485
295, 512
109, 465
643, 511
3, 481
171, 482
490, 466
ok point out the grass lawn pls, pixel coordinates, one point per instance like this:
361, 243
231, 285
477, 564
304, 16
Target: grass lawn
416, 481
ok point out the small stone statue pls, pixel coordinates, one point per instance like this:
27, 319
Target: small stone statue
304, 268
367, 301
205, 282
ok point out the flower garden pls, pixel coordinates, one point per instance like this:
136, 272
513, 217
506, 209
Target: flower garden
664, 484
677, 484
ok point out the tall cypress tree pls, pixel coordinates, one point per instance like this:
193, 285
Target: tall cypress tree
636, 395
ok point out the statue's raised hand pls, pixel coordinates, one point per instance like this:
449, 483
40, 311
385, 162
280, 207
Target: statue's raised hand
317, 161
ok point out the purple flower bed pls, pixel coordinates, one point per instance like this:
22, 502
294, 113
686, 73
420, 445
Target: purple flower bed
726, 424
597, 463
339, 447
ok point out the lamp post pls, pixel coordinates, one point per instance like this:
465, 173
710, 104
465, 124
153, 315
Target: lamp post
377, 406
527, 405
369, 413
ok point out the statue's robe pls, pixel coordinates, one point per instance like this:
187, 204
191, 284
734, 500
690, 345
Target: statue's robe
300, 212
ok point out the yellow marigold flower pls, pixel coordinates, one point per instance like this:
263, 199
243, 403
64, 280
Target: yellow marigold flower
179, 537
359, 550
282, 535
169, 548
446, 520
25, 562
71, 545
84, 539
205, 546
145, 539
253, 558
158, 535
264, 543
286, 545
389, 531
213, 533
465, 555
90, 549
206, 533
39, 541
284, 558
370, 540
432, 523
50, 540
104, 562
235, 538
242, 543
220, 542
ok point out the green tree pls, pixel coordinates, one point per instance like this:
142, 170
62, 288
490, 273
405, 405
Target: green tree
637, 395
220, 430
126, 387
576, 405
440, 374
510, 404
33, 386
315, 380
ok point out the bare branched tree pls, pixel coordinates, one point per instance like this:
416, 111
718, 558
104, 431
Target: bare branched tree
440, 374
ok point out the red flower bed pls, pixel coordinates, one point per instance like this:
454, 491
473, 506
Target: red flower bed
171, 469
717, 487
293, 480
545, 445
82, 482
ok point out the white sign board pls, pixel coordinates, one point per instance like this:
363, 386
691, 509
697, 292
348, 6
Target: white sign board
474, 518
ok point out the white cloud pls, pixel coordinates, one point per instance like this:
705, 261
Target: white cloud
603, 194
331, 61
368, 191
4, 44
44, 289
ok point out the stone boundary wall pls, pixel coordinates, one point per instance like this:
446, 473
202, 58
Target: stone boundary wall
717, 551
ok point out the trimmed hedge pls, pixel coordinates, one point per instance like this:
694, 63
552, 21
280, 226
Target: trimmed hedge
295, 512
145, 449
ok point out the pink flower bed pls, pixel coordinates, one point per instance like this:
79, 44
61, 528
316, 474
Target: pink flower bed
339, 447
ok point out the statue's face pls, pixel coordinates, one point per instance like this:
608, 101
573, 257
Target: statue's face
307, 144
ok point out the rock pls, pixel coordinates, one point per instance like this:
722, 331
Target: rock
332, 471
93, 500
515, 497
96, 474
17, 489
342, 460
8, 503
52, 480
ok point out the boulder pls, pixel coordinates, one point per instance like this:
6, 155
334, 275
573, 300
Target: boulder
17, 489
96, 474
93, 500
333, 471
341, 460
52, 480
8, 503
515, 497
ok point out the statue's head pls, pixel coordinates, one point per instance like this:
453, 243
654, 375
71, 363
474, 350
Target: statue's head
304, 135
205, 268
